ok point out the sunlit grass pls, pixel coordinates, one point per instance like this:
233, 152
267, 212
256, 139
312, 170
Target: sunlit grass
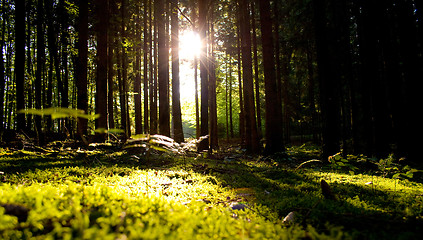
90, 196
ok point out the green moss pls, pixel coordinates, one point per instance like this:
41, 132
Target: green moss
90, 196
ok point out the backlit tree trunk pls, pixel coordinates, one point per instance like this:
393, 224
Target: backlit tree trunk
176, 102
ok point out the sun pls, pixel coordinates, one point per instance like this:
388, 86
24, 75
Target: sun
189, 45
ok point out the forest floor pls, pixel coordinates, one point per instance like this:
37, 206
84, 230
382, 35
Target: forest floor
108, 192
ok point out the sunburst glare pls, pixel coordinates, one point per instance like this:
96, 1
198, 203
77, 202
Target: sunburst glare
189, 45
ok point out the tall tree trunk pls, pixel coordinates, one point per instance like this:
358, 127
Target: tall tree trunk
124, 93
2, 69
137, 70
231, 124
251, 137
214, 139
53, 54
153, 69
274, 136
29, 90
20, 61
64, 21
101, 81
328, 85
147, 42
204, 76
176, 101
40, 66
110, 66
164, 114
197, 105
241, 95
81, 68
256, 68
412, 62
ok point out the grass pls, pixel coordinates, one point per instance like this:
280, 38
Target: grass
113, 194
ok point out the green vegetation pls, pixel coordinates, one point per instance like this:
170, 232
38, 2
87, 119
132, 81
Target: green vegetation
110, 193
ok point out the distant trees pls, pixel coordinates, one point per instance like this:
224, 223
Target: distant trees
343, 74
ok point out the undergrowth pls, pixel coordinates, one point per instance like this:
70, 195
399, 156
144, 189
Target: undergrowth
116, 194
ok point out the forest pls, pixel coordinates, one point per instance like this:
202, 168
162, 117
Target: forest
342, 74
289, 95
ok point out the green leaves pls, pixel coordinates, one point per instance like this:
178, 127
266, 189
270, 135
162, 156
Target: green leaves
59, 112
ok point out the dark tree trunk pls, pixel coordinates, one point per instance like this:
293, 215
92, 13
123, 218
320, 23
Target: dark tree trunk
251, 137
328, 84
256, 68
81, 66
214, 139
137, 82
20, 61
164, 114
40, 66
101, 81
2, 70
202, 19
241, 95
274, 136
176, 102
124, 93
110, 65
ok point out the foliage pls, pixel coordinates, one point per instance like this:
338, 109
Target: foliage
59, 112
339, 163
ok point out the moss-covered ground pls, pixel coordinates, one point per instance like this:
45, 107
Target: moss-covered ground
115, 194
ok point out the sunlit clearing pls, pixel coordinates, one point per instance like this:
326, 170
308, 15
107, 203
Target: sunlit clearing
189, 45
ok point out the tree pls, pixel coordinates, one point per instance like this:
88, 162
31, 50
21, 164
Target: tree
204, 76
251, 137
112, 32
137, 82
329, 99
164, 114
176, 102
147, 43
101, 80
20, 61
274, 139
40, 65
214, 141
2, 69
81, 66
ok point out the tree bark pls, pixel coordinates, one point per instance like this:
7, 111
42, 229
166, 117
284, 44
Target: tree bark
101, 81
147, 42
214, 139
137, 82
2, 70
20, 61
204, 76
164, 114
176, 101
40, 66
81, 66
251, 137
274, 136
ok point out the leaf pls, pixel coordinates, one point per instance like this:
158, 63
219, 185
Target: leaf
289, 218
397, 175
